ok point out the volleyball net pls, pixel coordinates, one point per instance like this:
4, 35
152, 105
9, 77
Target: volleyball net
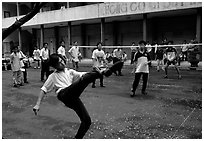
153, 46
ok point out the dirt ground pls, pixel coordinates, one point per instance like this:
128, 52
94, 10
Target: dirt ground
172, 108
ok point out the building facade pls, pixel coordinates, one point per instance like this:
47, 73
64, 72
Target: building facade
112, 23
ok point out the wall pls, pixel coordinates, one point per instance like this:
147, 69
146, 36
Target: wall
9, 7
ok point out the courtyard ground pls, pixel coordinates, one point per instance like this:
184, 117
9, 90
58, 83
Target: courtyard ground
158, 115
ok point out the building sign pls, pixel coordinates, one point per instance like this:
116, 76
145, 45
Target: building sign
126, 8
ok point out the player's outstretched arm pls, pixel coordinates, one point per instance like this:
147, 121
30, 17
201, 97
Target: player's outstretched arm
36, 108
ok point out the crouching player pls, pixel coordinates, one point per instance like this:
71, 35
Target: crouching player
69, 89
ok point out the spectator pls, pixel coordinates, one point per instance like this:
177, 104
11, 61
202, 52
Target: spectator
117, 56
44, 55
99, 60
16, 65
36, 56
74, 53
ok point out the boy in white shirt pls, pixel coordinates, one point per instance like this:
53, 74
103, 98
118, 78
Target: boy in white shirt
99, 60
61, 49
142, 60
69, 85
74, 52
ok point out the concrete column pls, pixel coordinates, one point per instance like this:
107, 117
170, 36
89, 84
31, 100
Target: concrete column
19, 29
198, 25
83, 39
18, 11
56, 36
41, 35
68, 5
34, 38
69, 34
103, 30
115, 32
19, 38
144, 27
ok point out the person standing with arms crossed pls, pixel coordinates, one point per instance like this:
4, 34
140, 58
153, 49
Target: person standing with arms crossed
69, 85
44, 56
74, 53
142, 60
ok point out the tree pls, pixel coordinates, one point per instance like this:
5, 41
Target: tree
21, 21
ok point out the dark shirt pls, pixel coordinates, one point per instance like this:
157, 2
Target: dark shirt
159, 54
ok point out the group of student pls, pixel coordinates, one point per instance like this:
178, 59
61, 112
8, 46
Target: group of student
69, 84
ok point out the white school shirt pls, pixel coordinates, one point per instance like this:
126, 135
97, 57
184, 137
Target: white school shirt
117, 53
99, 56
15, 61
74, 51
36, 54
61, 80
142, 58
44, 53
61, 50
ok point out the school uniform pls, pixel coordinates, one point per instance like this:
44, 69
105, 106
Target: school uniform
15, 66
142, 68
117, 56
69, 85
98, 57
61, 50
36, 56
171, 55
74, 51
44, 54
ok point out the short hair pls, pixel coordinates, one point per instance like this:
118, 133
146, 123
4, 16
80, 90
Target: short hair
171, 42
62, 41
54, 59
15, 47
142, 42
45, 44
98, 44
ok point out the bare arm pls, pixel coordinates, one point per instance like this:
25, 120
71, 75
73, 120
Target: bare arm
36, 108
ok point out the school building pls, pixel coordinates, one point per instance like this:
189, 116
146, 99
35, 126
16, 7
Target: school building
112, 23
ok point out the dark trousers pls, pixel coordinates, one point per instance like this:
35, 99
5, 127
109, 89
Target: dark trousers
70, 97
137, 79
44, 69
119, 67
25, 75
75, 65
101, 80
132, 57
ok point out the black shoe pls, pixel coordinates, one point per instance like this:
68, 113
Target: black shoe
16, 86
26, 82
21, 84
165, 76
102, 86
144, 93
